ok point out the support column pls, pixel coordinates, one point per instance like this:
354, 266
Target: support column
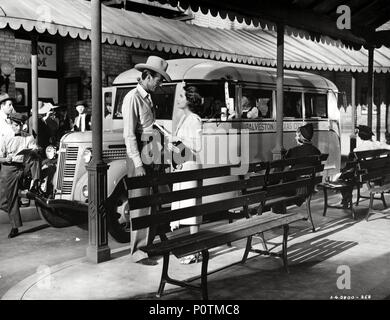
278, 150
370, 91
352, 144
34, 84
98, 249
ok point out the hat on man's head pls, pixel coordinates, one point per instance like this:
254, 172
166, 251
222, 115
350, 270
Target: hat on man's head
18, 117
365, 132
307, 131
155, 64
81, 103
5, 97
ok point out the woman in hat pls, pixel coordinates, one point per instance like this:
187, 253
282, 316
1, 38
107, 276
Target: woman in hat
303, 137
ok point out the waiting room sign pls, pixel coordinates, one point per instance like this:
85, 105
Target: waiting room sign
47, 55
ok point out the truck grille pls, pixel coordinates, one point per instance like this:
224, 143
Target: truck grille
114, 154
67, 169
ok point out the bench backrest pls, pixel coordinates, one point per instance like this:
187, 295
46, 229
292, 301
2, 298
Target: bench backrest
372, 164
156, 199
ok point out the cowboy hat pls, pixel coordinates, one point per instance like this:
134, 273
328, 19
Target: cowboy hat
5, 97
46, 107
155, 64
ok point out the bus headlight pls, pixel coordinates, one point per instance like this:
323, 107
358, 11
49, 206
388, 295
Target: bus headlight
50, 152
85, 191
87, 155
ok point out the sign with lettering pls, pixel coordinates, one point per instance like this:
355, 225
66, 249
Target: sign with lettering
260, 126
47, 55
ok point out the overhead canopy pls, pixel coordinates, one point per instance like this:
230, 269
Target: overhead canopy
171, 36
313, 18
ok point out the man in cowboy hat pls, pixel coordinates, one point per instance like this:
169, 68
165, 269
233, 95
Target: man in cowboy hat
138, 118
366, 142
82, 122
45, 112
15, 167
6, 108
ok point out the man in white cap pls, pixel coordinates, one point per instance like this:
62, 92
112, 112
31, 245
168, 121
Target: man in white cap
138, 118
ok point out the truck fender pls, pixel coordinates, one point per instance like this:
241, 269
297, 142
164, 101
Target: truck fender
117, 170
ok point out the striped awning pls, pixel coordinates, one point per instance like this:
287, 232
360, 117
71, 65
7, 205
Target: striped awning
72, 18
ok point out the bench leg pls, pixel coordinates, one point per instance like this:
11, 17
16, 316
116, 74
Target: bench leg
358, 195
205, 261
309, 212
383, 199
284, 253
325, 201
247, 249
370, 206
164, 276
264, 242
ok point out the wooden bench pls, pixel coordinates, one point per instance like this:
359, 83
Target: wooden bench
238, 193
373, 170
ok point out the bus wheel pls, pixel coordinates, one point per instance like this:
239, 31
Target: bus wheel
118, 218
58, 218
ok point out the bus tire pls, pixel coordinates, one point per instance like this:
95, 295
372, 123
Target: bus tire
118, 221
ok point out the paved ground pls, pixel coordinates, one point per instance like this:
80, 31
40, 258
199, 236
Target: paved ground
48, 263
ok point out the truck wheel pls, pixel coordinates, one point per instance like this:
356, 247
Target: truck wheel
58, 218
118, 219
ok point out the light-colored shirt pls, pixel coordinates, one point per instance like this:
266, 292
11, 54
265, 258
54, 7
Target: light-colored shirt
189, 132
363, 145
138, 118
13, 145
5, 126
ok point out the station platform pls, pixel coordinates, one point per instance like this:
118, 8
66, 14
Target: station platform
317, 260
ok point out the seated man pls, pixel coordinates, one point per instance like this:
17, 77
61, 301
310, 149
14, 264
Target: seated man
14, 167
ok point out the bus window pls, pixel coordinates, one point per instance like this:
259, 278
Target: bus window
213, 95
292, 107
259, 99
120, 95
316, 105
162, 98
107, 105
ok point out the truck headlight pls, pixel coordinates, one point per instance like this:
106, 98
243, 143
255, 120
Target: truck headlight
85, 191
50, 152
87, 155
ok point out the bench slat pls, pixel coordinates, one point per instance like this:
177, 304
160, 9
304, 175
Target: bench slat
162, 198
216, 236
180, 176
197, 210
370, 153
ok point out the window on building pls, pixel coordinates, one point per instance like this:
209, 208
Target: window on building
316, 105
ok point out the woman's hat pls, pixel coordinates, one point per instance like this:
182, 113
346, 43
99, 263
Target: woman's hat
46, 107
307, 131
5, 97
365, 132
155, 64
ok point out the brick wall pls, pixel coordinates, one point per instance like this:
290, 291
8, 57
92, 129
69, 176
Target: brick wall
7, 54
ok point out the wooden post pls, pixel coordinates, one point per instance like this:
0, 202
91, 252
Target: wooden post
370, 91
278, 150
34, 84
352, 144
98, 249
